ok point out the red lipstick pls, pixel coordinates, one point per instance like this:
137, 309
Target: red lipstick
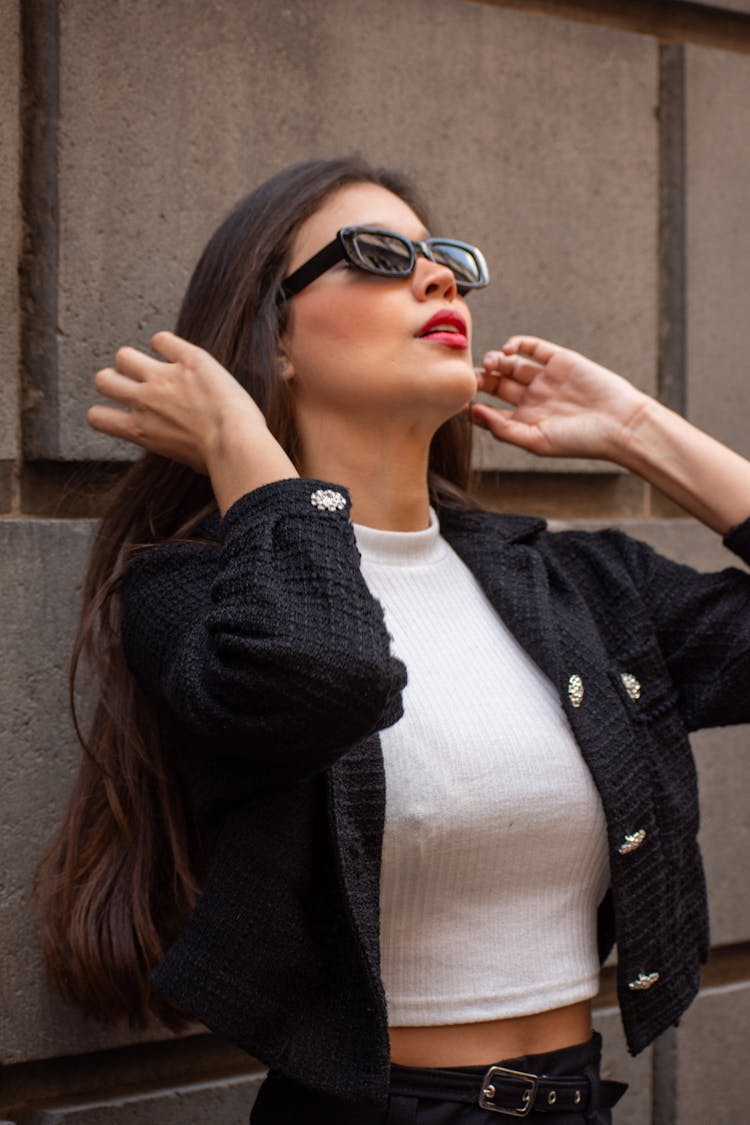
445, 327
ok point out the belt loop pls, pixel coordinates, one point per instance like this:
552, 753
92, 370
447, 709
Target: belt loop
592, 1110
401, 1110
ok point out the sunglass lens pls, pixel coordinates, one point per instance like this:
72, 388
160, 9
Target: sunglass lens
383, 253
463, 263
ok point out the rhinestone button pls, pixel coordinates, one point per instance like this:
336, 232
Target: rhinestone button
643, 982
632, 685
632, 841
327, 500
575, 690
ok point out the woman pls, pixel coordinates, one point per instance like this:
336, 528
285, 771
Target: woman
523, 698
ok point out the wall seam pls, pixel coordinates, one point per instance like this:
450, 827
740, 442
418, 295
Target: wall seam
664, 1106
671, 382
39, 256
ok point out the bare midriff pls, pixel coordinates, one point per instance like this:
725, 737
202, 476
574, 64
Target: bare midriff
474, 1044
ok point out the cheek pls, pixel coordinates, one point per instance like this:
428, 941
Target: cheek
332, 333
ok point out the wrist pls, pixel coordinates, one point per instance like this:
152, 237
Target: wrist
244, 457
631, 439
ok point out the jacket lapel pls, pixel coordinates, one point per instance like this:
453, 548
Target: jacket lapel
498, 551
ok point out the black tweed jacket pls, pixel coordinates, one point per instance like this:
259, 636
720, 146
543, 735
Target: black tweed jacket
269, 664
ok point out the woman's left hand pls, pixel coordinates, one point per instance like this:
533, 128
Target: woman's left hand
564, 405
568, 406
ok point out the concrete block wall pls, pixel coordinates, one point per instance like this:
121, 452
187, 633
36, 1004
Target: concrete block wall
597, 154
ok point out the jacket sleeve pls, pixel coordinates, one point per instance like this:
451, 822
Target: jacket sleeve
268, 645
702, 624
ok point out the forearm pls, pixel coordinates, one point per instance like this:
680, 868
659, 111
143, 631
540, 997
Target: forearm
699, 473
243, 459
269, 644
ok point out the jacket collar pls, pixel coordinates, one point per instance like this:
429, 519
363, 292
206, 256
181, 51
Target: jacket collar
501, 552
454, 524
458, 522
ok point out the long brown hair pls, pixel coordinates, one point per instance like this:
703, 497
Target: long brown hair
123, 871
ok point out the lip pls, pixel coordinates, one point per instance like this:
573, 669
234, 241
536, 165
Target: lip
456, 335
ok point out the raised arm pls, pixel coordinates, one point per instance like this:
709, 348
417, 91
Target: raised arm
191, 409
564, 405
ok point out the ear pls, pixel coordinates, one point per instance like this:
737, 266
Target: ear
284, 366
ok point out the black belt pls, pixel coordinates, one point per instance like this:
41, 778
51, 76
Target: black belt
512, 1093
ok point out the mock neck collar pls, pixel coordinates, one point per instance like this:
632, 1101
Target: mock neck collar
400, 548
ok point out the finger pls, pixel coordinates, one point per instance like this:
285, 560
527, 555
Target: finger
498, 361
136, 364
492, 418
110, 420
503, 425
521, 369
534, 346
502, 387
172, 347
510, 390
485, 382
120, 388
512, 366
491, 359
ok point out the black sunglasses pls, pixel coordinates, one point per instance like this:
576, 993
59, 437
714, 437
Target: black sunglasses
387, 254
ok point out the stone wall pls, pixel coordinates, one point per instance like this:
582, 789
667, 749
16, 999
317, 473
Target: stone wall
598, 153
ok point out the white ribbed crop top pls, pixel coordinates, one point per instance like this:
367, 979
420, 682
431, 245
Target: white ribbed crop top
494, 851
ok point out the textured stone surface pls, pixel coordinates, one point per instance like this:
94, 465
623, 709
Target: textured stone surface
227, 1101
618, 1064
718, 242
10, 228
684, 540
41, 571
722, 757
547, 159
710, 1067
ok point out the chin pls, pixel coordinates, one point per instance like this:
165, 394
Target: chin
457, 385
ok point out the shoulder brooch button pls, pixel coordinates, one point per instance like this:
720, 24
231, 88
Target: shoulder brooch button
575, 690
632, 841
643, 982
632, 685
327, 500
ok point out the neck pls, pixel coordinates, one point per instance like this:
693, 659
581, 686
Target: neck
384, 470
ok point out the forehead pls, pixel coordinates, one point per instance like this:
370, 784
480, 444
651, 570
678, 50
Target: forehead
354, 205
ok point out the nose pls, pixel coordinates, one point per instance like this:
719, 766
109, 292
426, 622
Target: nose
432, 279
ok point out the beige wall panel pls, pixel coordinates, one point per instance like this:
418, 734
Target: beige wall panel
10, 230
684, 540
227, 1101
711, 1063
547, 157
718, 243
723, 758
41, 570
618, 1064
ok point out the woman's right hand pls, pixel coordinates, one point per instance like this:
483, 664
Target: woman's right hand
177, 408
189, 408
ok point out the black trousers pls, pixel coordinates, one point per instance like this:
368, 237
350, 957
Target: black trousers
283, 1102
